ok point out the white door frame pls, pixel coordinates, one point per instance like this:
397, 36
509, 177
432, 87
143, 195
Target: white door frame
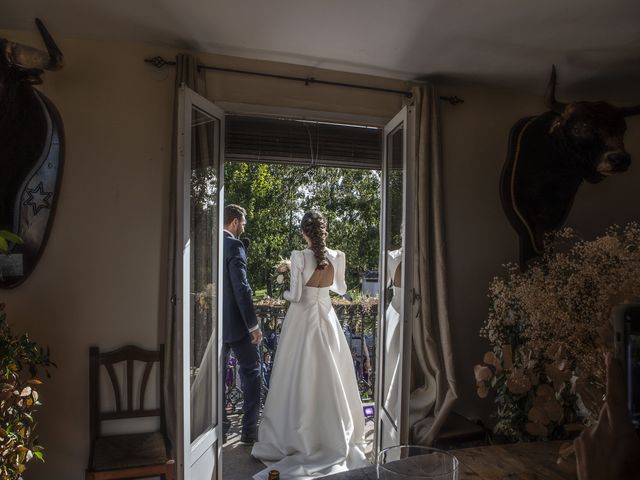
208, 443
401, 118
205, 452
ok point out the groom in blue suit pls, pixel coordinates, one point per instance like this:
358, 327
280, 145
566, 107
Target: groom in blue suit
240, 329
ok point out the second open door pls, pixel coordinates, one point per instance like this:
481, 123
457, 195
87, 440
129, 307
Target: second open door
394, 332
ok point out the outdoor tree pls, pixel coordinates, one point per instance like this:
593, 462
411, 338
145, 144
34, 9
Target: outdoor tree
276, 197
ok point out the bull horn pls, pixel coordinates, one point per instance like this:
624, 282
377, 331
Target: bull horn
28, 57
628, 111
55, 55
550, 96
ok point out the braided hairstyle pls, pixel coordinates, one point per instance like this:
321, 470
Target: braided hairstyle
314, 226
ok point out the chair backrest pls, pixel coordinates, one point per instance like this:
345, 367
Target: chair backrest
125, 405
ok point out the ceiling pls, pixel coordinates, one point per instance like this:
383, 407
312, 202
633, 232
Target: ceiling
506, 43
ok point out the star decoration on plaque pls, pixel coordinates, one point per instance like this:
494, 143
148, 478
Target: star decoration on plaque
37, 198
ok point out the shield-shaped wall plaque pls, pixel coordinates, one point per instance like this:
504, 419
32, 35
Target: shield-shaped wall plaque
31, 154
35, 201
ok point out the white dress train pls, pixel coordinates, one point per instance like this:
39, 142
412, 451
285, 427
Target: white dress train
313, 423
389, 433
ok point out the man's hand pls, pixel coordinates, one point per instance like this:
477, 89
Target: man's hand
610, 449
256, 336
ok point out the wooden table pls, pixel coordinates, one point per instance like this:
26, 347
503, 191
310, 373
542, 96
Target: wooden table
518, 461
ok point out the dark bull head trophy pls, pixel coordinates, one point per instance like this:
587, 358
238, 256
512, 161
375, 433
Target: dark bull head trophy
31, 153
548, 158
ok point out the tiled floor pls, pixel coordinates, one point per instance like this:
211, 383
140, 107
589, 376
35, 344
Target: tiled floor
237, 462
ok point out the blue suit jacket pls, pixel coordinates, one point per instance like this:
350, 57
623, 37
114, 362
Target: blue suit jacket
238, 312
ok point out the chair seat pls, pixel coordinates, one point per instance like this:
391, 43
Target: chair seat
131, 450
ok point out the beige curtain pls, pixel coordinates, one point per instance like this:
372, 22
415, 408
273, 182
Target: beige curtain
433, 385
186, 73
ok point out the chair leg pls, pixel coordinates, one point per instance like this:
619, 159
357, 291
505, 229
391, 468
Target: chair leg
169, 472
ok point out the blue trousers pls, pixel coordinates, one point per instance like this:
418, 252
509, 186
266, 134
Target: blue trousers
248, 356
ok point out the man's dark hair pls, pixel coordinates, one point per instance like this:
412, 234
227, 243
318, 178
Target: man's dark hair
233, 211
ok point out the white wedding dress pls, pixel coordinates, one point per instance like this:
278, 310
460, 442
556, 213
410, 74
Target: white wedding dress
313, 423
389, 430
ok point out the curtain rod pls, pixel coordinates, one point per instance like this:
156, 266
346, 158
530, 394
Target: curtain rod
160, 62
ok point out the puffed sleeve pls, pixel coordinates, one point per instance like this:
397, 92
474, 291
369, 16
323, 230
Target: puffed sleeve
339, 285
295, 285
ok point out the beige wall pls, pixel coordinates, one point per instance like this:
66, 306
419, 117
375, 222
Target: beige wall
479, 237
100, 280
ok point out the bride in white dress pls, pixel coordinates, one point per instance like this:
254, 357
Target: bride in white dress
313, 423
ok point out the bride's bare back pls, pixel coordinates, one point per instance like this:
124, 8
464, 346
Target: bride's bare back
321, 278
304, 273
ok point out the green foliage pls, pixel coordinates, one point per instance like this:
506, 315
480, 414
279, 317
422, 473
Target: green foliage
5, 238
276, 197
20, 361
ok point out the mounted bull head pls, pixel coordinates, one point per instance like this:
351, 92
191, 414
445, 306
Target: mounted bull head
28, 59
594, 131
548, 158
31, 153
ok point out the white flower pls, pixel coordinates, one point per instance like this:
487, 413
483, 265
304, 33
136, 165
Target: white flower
553, 316
280, 278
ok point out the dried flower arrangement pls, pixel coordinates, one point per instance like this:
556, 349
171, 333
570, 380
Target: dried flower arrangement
204, 297
548, 327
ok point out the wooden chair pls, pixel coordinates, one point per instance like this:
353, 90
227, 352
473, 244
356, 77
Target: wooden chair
134, 455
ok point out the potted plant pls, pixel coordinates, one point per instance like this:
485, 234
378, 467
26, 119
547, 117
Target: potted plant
6, 237
21, 360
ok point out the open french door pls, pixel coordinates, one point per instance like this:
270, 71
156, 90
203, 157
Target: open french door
199, 365
394, 327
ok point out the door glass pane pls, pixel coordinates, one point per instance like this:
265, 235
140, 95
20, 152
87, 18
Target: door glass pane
204, 210
393, 294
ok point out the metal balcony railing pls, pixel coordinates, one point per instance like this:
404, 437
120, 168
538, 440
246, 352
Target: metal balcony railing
358, 320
